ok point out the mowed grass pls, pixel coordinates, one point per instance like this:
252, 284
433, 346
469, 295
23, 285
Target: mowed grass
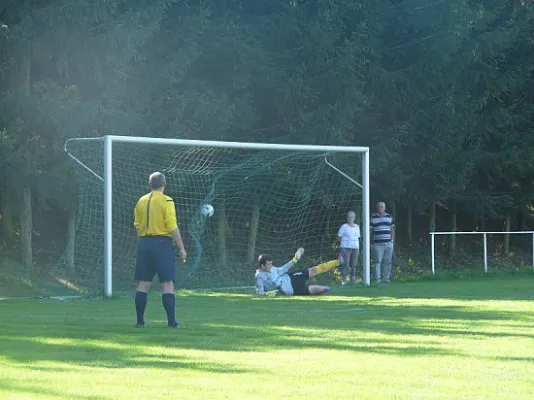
424, 340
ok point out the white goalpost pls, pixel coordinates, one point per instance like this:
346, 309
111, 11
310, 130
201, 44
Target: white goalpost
117, 164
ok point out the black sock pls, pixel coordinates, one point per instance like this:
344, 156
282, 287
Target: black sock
140, 306
168, 304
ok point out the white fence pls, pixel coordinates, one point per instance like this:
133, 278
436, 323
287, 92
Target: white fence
485, 234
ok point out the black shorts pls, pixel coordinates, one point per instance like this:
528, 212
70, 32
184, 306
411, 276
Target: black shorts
298, 281
155, 255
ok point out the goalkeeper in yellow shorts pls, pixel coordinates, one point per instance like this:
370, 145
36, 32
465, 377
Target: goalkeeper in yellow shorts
271, 280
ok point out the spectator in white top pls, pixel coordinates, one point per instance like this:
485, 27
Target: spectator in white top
349, 236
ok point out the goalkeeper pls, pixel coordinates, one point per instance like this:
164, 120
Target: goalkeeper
270, 280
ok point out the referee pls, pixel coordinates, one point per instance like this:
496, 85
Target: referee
155, 221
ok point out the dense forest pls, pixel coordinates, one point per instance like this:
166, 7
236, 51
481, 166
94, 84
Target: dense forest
441, 91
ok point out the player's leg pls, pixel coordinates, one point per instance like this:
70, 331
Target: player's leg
166, 274
318, 289
144, 273
379, 255
168, 300
386, 261
354, 254
344, 255
324, 267
300, 288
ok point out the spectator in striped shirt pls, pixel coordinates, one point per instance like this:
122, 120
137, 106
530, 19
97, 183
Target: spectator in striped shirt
383, 236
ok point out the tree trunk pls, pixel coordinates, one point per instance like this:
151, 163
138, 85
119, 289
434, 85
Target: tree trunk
409, 232
432, 218
482, 223
71, 234
507, 226
7, 227
253, 231
393, 212
454, 228
26, 229
392, 209
221, 233
523, 220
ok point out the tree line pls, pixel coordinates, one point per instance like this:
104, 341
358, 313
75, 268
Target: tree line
441, 91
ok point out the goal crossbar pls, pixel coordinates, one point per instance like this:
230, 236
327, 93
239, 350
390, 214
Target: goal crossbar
222, 144
108, 141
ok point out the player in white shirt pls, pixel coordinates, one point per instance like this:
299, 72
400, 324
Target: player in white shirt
349, 236
271, 280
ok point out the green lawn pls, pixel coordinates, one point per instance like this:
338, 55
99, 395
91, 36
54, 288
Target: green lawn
424, 340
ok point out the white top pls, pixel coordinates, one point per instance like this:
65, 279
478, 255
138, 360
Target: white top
350, 236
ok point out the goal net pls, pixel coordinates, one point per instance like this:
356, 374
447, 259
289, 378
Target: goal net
266, 201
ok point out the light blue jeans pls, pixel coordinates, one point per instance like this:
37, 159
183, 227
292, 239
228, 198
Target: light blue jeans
383, 256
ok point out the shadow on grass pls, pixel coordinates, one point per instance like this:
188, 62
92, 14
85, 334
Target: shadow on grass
100, 334
130, 351
23, 390
107, 354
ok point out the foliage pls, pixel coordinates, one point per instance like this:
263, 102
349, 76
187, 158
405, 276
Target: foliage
440, 91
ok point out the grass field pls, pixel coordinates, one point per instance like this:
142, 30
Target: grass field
422, 340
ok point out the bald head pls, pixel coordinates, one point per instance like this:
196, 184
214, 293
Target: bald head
381, 207
157, 181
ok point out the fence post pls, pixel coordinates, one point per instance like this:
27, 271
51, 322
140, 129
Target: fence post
433, 255
485, 252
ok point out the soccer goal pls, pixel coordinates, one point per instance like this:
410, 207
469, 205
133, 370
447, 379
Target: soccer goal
268, 198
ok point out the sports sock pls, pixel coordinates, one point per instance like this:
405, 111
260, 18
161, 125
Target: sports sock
140, 306
168, 301
327, 266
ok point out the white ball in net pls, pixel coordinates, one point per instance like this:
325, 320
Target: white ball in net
207, 210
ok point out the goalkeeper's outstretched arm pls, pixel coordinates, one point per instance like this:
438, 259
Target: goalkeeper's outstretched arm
260, 289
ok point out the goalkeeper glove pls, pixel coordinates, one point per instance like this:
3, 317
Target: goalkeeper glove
298, 254
271, 293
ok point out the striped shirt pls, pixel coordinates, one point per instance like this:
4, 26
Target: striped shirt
381, 226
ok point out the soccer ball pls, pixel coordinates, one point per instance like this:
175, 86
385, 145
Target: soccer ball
207, 210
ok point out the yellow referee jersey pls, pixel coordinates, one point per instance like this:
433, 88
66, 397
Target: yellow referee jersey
155, 215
